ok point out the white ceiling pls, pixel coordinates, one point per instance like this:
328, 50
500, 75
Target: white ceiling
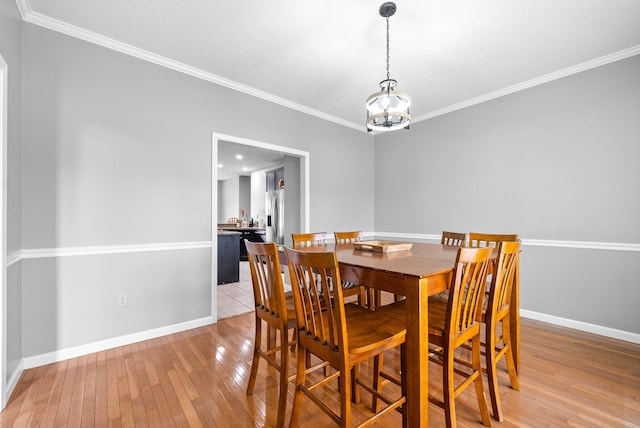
325, 58
239, 159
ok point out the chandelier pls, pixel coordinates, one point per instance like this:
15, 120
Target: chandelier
388, 109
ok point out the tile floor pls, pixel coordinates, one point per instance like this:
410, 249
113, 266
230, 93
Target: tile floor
236, 298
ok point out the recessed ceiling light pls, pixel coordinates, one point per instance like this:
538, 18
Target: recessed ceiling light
220, 165
244, 168
238, 157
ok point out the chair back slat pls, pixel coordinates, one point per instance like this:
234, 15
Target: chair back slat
319, 305
503, 279
490, 239
465, 301
268, 286
304, 240
343, 238
455, 239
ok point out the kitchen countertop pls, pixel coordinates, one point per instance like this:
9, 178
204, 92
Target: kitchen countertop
228, 232
242, 229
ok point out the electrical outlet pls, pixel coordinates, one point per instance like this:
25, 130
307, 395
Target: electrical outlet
123, 300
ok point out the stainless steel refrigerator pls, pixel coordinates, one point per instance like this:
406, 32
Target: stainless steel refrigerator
275, 216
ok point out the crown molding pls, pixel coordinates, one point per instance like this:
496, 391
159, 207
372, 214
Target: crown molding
24, 7
28, 15
32, 17
578, 68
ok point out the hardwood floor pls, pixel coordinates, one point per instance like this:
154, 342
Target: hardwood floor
198, 378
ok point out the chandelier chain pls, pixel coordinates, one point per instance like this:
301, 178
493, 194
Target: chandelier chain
388, 75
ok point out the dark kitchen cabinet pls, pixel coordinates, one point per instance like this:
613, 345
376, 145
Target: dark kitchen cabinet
228, 257
251, 235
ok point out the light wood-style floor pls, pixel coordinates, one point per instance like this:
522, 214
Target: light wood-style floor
198, 378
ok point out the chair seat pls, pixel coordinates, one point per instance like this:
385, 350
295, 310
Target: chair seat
367, 329
437, 311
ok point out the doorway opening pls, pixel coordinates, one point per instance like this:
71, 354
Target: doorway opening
303, 157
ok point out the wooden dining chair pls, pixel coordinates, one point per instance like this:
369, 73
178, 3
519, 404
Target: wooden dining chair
342, 335
365, 295
451, 325
233, 220
315, 239
275, 309
450, 239
498, 344
344, 238
490, 239
320, 239
454, 239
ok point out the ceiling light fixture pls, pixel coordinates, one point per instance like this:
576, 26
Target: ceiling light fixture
388, 110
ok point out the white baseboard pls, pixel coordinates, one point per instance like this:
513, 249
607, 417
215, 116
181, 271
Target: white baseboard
582, 326
56, 356
77, 351
13, 381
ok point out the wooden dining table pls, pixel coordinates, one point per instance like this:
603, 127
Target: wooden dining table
418, 273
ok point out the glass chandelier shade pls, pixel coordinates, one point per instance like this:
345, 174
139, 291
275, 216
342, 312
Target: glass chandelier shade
388, 109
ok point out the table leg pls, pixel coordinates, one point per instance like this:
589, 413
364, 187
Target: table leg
417, 357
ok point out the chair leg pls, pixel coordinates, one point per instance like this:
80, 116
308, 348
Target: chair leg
355, 391
448, 388
477, 367
511, 366
492, 375
345, 398
257, 343
284, 378
292, 342
378, 362
303, 354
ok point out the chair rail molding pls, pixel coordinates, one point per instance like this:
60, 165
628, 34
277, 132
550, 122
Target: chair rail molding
588, 245
42, 253
39, 253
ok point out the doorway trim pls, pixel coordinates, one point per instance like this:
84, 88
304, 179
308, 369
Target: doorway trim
4, 95
304, 197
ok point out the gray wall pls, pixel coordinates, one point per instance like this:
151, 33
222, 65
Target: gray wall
10, 49
117, 152
229, 198
559, 162
245, 195
292, 201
